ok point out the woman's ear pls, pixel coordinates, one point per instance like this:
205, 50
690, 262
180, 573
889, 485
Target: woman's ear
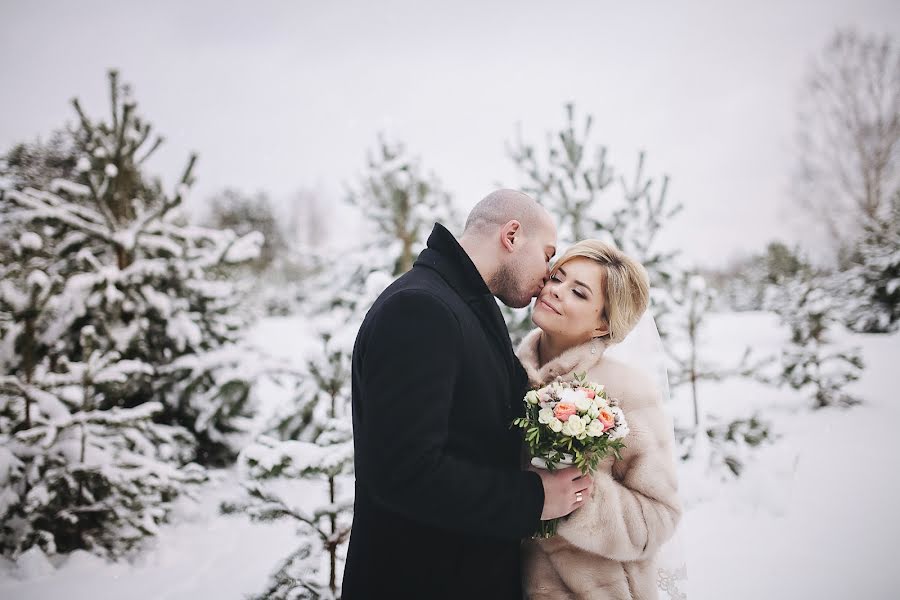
604, 327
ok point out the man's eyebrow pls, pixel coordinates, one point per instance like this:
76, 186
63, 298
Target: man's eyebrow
581, 283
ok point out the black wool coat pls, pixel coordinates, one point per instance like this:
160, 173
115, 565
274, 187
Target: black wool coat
441, 502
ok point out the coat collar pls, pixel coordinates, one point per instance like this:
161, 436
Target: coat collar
447, 257
577, 359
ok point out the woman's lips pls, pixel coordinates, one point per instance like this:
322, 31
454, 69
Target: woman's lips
549, 306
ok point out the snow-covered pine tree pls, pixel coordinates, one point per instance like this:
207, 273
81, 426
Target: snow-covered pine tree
870, 288
812, 362
572, 178
326, 460
119, 343
310, 440
693, 302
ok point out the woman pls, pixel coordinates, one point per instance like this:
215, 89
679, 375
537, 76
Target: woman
608, 547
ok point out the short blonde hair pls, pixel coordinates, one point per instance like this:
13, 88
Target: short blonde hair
627, 286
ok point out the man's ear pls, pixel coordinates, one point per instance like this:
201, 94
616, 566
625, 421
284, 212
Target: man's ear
509, 234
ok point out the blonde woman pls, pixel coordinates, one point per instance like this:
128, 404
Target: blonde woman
607, 549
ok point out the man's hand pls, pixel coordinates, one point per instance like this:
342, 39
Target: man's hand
561, 490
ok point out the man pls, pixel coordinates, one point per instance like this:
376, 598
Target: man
441, 502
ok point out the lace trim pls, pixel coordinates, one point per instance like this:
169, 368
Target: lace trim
667, 581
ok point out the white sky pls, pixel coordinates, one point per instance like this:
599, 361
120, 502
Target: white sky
280, 96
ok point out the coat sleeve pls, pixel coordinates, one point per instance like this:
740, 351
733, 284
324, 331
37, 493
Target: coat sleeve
409, 368
635, 507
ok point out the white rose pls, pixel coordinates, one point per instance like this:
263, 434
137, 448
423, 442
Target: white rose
585, 419
583, 403
576, 426
594, 429
545, 415
593, 411
555, 425
532, 397
581, 436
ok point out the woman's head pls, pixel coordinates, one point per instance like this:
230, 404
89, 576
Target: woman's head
595, 290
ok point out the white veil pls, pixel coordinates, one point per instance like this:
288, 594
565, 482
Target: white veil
643, 349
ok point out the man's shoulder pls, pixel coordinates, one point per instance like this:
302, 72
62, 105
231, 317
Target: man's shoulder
418, 286
416, 295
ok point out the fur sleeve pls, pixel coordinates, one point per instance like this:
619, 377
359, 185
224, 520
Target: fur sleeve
635, 506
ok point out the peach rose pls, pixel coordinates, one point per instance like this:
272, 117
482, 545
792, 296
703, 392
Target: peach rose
564, 410
588, 392
607, 419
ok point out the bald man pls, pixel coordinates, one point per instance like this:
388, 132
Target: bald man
441, 502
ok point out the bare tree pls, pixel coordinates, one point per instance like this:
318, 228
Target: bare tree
848, 134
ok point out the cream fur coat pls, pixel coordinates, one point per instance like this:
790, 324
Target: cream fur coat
606, 548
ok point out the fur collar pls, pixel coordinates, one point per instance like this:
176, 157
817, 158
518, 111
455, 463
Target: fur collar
577, 359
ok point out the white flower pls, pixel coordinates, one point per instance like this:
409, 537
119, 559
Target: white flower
555, 425
619, 432
532, 397
594, 411
569, 395
111, 170
586, 419
546, 415
575, 426
581, 436
594, 428
583, 403
617, 414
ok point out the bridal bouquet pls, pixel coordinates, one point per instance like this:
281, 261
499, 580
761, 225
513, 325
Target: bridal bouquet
571, 423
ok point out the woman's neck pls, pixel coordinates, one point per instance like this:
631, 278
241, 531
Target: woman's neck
550, 347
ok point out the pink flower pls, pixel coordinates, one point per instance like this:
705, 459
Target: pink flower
564, 410
607, 419
588, 392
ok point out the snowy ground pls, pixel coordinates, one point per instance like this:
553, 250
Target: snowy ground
811, 518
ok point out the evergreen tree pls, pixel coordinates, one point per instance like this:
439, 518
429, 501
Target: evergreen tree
119, 343
727, 442
810, 362
870, 288
245, 213
400, 203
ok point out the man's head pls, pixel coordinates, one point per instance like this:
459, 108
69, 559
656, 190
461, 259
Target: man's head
511, 239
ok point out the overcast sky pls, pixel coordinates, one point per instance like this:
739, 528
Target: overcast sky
279, 96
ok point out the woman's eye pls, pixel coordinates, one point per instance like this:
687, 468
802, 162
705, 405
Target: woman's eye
554, 278
580, 295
